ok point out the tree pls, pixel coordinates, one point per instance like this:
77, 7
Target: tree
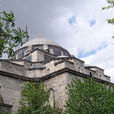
89, 97
35, 100
10, 36
4, 112
111, 5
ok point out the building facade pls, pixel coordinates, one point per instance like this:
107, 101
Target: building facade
41, 59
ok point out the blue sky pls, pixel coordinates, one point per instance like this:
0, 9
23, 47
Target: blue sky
92, 22
82, 53
72, 20
78, 25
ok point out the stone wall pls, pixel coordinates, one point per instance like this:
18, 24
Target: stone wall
58, 85
12, 68
10, 90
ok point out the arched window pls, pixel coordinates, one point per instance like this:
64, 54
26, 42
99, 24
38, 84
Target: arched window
90, 74
51, 98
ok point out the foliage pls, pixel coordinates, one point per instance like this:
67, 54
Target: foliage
89, 97
4, 112
35, 100
111, 5
10, 36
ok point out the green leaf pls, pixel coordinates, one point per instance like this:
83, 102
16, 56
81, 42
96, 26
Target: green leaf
89, 97
11, 36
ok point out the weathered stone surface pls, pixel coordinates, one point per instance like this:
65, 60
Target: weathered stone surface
56, 68
1, 100
10, 90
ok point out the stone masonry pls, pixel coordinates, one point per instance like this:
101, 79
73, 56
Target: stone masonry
41, 59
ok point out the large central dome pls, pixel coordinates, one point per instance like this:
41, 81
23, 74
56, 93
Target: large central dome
40, 44
39, 41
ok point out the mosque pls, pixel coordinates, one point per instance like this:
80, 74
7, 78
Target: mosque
42, 59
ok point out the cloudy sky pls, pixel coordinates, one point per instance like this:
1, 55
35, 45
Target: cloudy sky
78, 25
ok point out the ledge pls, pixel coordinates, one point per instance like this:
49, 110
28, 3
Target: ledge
72, 72
49, 76
7, 74
59, 62
5, 105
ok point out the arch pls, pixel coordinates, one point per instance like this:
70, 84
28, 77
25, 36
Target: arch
52, 98
90, 74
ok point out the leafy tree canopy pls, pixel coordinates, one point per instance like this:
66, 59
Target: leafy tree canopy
10, 36
35, 100
111, 5
89, 97
4, 112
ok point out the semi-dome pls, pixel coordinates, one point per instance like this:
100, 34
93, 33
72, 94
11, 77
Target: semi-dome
39, 41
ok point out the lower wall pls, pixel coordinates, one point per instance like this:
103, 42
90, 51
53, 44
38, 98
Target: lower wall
10, 90
58, 84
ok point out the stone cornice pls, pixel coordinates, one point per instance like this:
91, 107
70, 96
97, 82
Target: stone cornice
7, 74
5, 105
49, 76
64, 70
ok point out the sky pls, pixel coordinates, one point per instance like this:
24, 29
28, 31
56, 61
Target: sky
80, 26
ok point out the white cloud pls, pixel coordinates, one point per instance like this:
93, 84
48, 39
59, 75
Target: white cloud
50, 18
104, 59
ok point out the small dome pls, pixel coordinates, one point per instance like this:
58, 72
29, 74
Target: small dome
39, 41
1, 99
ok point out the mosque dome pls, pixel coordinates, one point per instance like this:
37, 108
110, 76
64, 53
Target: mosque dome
1, 99
43, 44
39, 41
